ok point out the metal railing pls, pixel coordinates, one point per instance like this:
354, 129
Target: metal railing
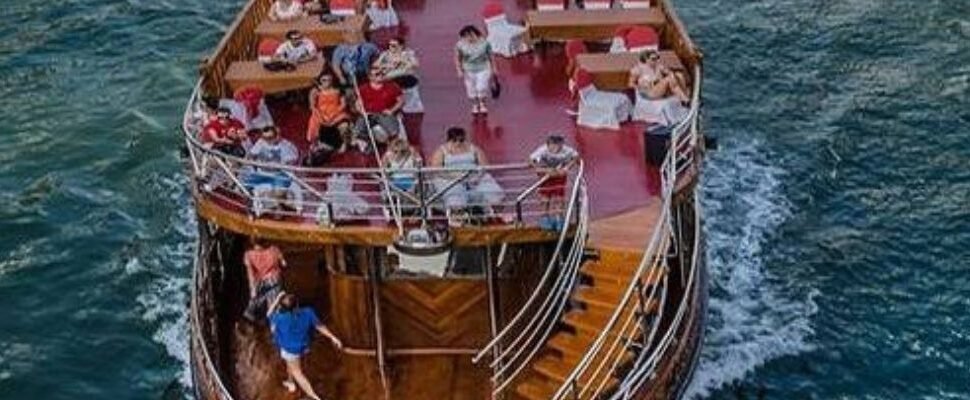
502, 194
512, 348
632, 327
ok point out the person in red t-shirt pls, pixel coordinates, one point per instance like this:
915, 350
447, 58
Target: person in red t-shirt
381, 100
225, 134
264, 268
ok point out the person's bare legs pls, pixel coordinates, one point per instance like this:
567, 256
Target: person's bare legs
295, 372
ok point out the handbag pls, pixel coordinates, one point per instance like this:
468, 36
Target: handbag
495, 87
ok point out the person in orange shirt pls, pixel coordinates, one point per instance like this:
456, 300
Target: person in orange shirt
328, 111
264, 268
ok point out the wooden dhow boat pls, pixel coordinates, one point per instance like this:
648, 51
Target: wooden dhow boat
609, 306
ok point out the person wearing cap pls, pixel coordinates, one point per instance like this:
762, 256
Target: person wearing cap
552, 161
224, 133
292, 326
296, 49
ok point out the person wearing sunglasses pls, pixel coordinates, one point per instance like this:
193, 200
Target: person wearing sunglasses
296, 49
381, 101
654, 80
399, 63
661, 94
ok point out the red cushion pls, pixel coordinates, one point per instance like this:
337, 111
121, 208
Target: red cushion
575, 47
582, 78
622, 30
492, 9
641, 36
343, 4
267, 47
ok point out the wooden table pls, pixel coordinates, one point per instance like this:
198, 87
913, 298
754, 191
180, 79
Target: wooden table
252, 73
611, 71
320, 33
589, 24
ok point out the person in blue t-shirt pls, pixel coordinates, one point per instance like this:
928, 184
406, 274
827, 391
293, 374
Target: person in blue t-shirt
292, 328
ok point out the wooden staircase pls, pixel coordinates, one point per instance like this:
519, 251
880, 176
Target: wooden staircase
604, 279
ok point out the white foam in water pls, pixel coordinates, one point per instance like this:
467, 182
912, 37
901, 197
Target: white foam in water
165, 303
750, 320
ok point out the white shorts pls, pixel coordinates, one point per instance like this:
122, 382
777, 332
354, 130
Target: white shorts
477, 84
290, 356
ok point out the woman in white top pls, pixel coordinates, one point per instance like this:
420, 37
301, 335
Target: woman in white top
479, 189
286, 10
655, 81
400, 156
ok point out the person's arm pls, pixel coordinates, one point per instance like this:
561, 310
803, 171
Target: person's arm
460, 71
437, 158
273, 305
399, 103
326, 332
633, 77
279, 254
311, 51
491, 60
535, 157
273, 12
480, 156
335, 66
250, 276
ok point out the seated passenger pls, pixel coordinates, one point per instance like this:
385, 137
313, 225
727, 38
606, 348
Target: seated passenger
316, 7
225, 134
296, 49
264, 268
477, 192
292, 327
272, 188
249, 106
286, 10
381, 14
399, 64
553, 159
381, 101
399, 159
328, 111
271, 148
352, 59
661, 94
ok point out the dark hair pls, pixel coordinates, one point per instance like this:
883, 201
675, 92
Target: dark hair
556, 139
271, 128
324, 74
290, 34
211, 101
646, 55
223, 110
469, 29
455, 133
399, 39
289, 302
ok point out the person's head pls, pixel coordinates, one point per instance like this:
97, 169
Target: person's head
257, 242
294, 35
325, 80
399, 146
555, 142
375, 75
271, 134
223, 113
649, 56
469, 32
456, 135
289, 302
395, 44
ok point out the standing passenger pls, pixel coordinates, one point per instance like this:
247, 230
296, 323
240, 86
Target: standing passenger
264, 268
292, 328
473, 62
553, 160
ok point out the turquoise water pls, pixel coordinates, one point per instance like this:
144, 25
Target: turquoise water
836, 208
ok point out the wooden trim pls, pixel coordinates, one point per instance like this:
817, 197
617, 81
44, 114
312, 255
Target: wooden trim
356, 235
237, 44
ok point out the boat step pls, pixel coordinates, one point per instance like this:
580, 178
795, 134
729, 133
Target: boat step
536, 387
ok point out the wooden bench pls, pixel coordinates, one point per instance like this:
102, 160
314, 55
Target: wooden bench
252, 73
589, 24
611, 71
320, 33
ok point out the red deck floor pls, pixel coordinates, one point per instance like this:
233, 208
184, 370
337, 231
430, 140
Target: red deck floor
532, 104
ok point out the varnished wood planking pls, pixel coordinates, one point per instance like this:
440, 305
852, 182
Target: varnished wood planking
435, 313
626, 232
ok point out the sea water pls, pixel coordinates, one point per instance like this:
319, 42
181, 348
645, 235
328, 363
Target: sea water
837, 209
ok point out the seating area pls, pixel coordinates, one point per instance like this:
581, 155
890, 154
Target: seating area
604, 98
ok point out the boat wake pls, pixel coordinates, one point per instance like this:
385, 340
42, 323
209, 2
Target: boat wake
164, 305
751, 319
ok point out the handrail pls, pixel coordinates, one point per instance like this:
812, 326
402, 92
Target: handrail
514, 199
199, 337
530, 333
586, 377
